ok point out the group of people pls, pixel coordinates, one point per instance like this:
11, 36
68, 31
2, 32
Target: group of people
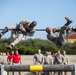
27, 28
49, 59
10, 58
13, 58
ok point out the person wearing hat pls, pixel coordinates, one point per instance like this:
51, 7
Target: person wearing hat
24, 28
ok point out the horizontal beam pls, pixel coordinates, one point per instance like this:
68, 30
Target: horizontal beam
40, 29
58, 68
36, 29
1, 29
39, 68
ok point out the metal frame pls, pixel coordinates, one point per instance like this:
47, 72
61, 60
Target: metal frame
38, 68
36, 29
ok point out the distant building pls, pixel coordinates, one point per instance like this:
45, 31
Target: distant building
72, 37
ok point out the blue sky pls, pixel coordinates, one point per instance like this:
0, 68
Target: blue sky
47, 13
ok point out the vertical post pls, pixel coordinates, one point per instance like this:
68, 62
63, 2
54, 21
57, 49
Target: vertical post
2, 69
3, 72
74, 72
75, 69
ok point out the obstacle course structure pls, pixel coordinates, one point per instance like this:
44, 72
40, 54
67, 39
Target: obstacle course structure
38, 68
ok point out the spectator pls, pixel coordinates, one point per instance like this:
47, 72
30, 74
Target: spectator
8, 60
17, 59
38, 59
48, 60
4, 58
1, 58
59, 59
10, 57
51, 59
66, 60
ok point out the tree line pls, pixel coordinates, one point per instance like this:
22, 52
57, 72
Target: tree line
30, 46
